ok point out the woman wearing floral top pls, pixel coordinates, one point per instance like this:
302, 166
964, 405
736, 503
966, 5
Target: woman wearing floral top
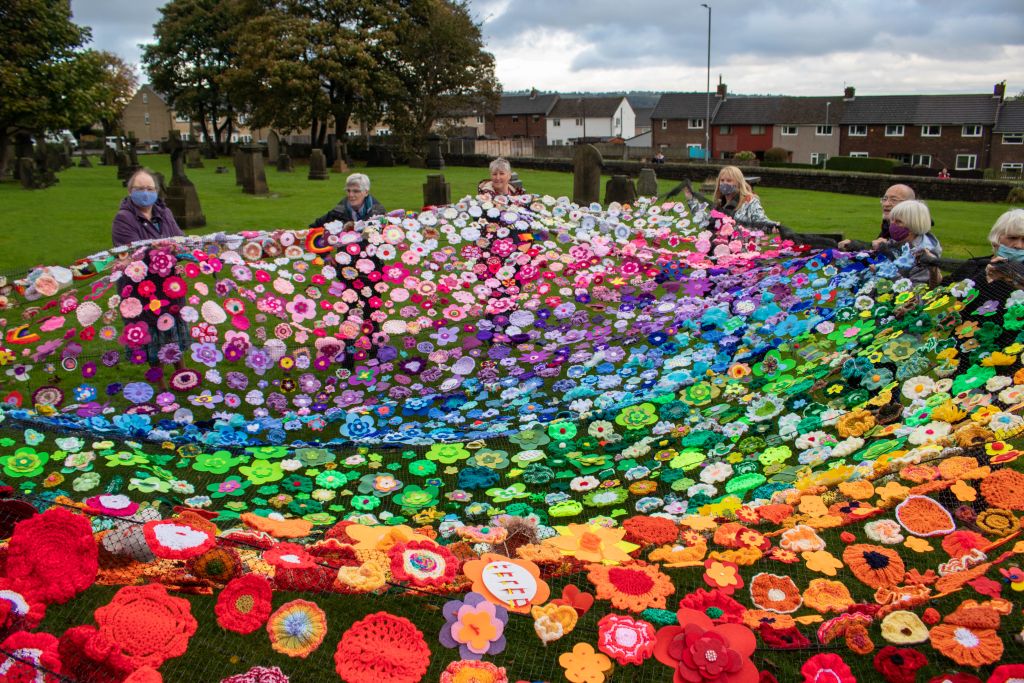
733, 197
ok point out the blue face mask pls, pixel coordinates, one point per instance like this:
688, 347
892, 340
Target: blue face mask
1010, 254
143, 198
727, 188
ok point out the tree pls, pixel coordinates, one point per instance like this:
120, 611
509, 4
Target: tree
191, 58
41, 74
441, 68
111, 93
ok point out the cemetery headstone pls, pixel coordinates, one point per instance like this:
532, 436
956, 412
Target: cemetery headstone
435, 159
284, 163
436, 192
620, 188
109, 156
133, 152
193, 159
647, 183
238, 158
378, 155
124, 166
273, 147
27, 173
161, 186
317, 165
586, 175
255, 176
515, 180
182, 198
83, 161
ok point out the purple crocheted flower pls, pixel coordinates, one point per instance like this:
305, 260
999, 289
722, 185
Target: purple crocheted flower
461, 628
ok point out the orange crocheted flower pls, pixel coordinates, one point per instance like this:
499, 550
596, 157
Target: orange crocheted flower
923, 516
1004, 489
968, 636
244, 604
470, 671
148, 625
583, 665
855, 423
513, 584
53, 555
775, 593
650, 530
634, 586
220, 564
874, 565
278, 528
382, 647
825, 595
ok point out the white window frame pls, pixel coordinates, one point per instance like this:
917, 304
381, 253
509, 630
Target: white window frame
894, 130
1012, 166
971, 130
759, 129
971, 162
1013, 138
664, 124
694, 145
919, 160
536, 118
515, 118
695, 124
557, 123
858, 130
181, 118
725, 129
146, 118
579, 122
819, 157
926, 131
479, 119
790, 130
145, 98
859, 155
823, 130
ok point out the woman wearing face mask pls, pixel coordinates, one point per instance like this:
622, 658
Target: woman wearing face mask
997, 276
733, 197
910, 224
142, 215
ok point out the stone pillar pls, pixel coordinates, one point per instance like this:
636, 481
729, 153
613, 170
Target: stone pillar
620, 188
436, 192
239, 160
193, 159
586, 175
284, 163
255, 176
647, 183
435, 159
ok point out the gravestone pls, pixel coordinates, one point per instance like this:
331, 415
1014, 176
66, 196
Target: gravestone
124, 167
255, 176
161, 186
436, 192
515, 181
586, 175
378, 155
435, 159
83, 160
317, 165
109, 156
27, 173
647, 183
66, 154
182, 198
193, 159
620, 188
133, 153
337, 162
237, 157
284, 163
273, 147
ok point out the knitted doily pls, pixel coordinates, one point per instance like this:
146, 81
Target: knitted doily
244, 604
54, 555
148, 625
382, 647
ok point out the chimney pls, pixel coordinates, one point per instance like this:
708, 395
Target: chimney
533, 93
849, 92
999, 91
721, 91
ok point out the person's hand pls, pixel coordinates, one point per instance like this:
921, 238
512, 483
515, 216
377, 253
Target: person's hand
687, 193
878, 243
993, 272
843, 245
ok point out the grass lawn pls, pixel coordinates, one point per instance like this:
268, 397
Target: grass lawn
72, 219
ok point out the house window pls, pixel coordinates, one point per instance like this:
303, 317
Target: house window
696, 123
971, 130
966, 162
664, 124
818, 158
145, 98
234, 137
579, 122
536, 118
859, 155
725, 130
921, 160
823, 130
186, 136
857, 131
902, 158
789, 130
245, 138
515, 119
1012, 167
695, 151
181, 118
931, 131
894, 130
1013, 138
557, 123
147, 119
618, 122
758, 130
479, 119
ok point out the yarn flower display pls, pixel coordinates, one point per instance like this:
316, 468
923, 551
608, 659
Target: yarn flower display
297, 628
53, 555
146, 624
244, 604
423, 563
474, 625
382, 647
624, 639
699, 650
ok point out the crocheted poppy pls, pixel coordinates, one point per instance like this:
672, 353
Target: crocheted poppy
148, 625
244, 604
176, 539
297, 628
289, 556
775, 593
53, 555
899, 664
89, 655
382, 647
827, 667
36, 652
20, 609
874, 565
650, 530
625, 639
635, 587
714, 604
258, 674
968, 636
423, 563
113, 506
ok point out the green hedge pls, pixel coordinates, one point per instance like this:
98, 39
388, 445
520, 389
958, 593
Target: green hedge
786, 164
862, 164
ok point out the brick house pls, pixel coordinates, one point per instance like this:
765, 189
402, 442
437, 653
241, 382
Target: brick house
148, 116
1008, 139
806, 127
678, 121
934, 131
524, 116
589, 118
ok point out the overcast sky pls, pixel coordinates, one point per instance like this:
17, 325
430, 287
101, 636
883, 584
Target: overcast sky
796, 47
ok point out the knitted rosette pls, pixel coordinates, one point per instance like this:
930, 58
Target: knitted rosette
297, 628
382, 647
244, 604
148, 625
53, 555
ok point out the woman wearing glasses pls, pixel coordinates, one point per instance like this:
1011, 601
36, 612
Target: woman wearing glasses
143, 216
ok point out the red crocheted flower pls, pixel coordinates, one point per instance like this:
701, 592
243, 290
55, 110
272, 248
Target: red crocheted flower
650, 530
289, 556
33, 650
20, 609
382, 647
176, 539
699, 650
88, 655
715, 604
423, 563
625, 639
148, 625
244, 604
827, 667
53, 555
899, 664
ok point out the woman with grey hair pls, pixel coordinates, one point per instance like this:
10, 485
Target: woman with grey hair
498, 184
997, 276
358, 204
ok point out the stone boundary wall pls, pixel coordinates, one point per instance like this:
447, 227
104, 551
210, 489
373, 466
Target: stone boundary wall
866, 184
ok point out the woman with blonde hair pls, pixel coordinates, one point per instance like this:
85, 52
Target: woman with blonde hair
733, 197
910, 223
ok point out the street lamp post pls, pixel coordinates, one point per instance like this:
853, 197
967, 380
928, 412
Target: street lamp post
707, 116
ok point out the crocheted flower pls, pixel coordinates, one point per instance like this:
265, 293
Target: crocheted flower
148, 625
874, 565
112, 505
176, 539
475, 625
698, 650
88, 655
26, 656
583, 665
1004, 489
512, 584
827, 667
625, 639
635, 587
289, 556
297, 628
969, 636
899, 664
775, 593
592, 543
244, 604
423, 563
258, 674
382, 647
53, 555
471, 671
